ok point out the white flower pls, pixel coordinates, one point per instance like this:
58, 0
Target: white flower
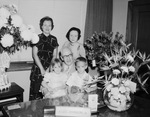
129, 58
115, 81
31, 28
122, 89
122, 98
116, 71
4, 13
16, 20
114, 102
131, 85
131, 68
26, 35
23, 27
127, 89
7, 40
124, 69
127, 83
115, 91
109, 87
35, 38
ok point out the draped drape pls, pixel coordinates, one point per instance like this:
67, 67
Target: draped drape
129, 21
98, 17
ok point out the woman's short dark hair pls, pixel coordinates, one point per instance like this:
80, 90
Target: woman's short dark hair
75, 29
46, 18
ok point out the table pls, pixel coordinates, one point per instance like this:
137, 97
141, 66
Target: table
140, 108
13, 94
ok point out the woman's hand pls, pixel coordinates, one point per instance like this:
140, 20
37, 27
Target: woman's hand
42, 72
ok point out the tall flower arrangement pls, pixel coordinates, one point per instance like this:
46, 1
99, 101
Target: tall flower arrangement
14, 35
13, 32
121, 65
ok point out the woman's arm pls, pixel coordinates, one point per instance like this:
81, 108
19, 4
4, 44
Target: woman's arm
37, 60
55, 53
82, 50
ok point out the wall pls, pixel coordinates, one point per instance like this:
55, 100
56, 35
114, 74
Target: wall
22, 79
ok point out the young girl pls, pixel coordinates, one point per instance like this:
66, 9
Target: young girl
53, 84
73, 35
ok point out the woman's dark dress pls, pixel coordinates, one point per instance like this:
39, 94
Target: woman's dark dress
46, 46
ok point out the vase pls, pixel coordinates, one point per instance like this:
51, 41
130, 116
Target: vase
116, 100
4, 64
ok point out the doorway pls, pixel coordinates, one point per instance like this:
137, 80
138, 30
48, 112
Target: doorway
138, 25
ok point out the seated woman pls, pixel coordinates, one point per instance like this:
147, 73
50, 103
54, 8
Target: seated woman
54, 82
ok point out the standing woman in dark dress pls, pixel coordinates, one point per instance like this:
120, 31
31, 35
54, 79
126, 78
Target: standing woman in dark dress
42, 52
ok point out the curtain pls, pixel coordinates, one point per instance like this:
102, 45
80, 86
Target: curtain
98, 17
129, 21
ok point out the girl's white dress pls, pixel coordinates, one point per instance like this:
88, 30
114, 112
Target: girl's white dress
56, 82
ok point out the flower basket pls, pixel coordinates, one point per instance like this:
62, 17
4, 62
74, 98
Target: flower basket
118, 97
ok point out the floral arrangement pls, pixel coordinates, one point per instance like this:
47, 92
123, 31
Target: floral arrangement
114, 55
14, 34
100, 43
122, 67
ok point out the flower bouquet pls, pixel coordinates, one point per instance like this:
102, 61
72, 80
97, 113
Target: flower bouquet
121, 68
14, 35
13, 32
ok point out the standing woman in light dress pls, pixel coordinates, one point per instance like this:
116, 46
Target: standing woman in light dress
42, 52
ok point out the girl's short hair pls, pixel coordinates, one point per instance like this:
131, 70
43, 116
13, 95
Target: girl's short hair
54, 62
81, 59
46, 18
73, 29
